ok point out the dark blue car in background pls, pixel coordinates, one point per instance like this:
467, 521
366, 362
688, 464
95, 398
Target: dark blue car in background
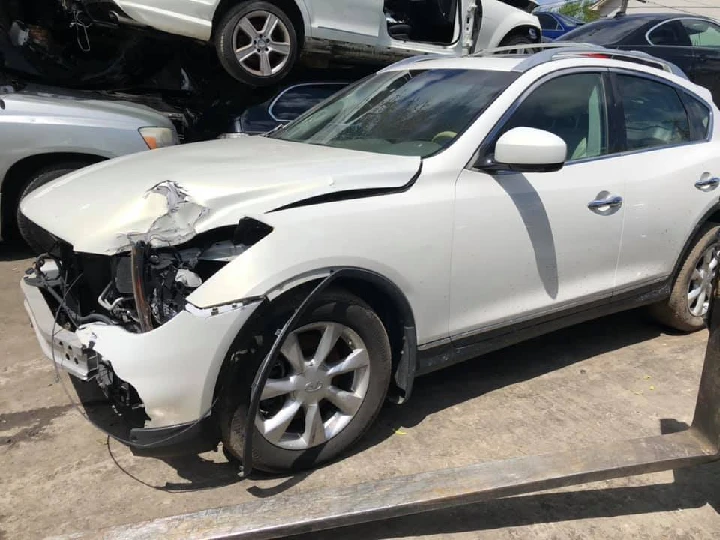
555, 25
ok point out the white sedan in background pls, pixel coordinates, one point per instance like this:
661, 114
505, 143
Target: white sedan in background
259, 41
464, 203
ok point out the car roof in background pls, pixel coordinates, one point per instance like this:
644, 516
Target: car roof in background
611, 30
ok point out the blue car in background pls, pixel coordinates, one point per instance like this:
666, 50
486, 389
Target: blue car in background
555, 24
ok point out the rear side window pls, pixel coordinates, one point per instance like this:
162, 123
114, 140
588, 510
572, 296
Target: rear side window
699, 115
669, 34
702, 33
654, 114
548, 22
298, 99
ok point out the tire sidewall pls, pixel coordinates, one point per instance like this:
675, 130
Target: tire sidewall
675, 312
33, 235
332, 307
225, 47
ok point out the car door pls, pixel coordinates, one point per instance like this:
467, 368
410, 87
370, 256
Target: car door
533, 244
673, 169
705, 39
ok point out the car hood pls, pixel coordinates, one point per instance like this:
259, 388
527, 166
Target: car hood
165, 197
75, 107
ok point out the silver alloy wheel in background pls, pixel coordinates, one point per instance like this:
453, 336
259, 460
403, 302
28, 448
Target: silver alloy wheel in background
700, 286
262, 43
316, 388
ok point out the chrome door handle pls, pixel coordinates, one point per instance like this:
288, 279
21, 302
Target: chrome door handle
613, 201
707, 182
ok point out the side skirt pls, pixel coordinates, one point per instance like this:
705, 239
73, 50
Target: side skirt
456, 350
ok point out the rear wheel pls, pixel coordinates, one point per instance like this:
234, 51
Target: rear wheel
689, 299
257, 43
323, 393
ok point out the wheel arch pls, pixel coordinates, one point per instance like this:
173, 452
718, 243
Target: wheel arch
380, 293
14, 180
292, 8
521, 30
711, 216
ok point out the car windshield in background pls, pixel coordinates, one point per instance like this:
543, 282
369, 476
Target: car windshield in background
604, 32
408, 113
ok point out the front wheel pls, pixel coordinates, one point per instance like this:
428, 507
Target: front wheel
690, 296
323, 393
36, 237
257, 43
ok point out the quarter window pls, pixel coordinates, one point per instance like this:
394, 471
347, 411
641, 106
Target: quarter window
702, 33
654, 114
573, 108
699, 115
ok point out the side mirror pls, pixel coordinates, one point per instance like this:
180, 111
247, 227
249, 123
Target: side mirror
524, 149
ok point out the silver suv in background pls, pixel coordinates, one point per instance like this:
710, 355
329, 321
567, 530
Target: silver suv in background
46, 133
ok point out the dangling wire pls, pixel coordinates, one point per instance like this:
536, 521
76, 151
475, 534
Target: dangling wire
82, 28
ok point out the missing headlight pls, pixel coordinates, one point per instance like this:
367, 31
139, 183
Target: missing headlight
150, 285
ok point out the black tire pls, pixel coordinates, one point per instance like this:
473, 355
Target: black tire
516, 39
224, 43
675, 311
332, 306
36, 237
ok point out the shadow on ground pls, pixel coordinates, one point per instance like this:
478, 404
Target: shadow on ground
14, 252
447, 388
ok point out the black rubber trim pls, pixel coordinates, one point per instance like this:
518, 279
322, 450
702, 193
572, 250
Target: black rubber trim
181, 439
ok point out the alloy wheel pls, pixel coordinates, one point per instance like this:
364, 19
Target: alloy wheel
700, 287
262, 43
316, 388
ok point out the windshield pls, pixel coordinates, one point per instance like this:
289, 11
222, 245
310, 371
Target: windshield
604, 32
408, 113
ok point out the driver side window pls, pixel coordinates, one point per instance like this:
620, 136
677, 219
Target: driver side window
573, 108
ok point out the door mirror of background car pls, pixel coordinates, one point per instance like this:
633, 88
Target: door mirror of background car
524, 149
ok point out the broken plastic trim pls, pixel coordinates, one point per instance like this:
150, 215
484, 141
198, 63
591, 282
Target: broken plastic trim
263, 371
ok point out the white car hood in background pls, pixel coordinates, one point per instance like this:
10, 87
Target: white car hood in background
181, 191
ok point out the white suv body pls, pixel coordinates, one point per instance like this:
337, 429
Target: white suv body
474, 202
353, 29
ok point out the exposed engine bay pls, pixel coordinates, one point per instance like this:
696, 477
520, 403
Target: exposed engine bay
140, 290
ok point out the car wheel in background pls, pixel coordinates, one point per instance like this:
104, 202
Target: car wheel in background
689, 299
36, 237
257, 43
324, 392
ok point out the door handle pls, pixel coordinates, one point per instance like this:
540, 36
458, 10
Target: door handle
707, 182
613, 201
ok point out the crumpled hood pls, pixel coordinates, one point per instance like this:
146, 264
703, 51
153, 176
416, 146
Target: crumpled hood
178, 192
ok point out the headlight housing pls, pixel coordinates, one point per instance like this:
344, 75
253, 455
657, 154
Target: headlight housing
159, 137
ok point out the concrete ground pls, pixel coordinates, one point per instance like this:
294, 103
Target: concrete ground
616, 378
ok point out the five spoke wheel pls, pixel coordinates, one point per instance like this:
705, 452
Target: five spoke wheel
262, 43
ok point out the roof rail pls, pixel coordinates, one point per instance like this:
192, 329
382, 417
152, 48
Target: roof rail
539, 53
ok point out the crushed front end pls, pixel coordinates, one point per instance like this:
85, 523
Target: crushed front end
123, 322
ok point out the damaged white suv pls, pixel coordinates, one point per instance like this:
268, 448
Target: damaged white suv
459, 205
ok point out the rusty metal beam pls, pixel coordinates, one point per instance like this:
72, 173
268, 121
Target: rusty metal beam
325, 509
